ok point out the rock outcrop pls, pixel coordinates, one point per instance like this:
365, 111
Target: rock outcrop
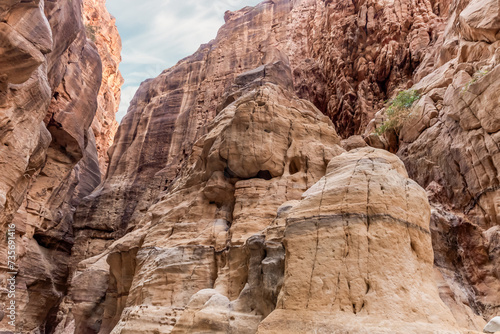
359, 254
169, 113
231, 204
101, 29
149, 212
450, 148
51, 74
265, 147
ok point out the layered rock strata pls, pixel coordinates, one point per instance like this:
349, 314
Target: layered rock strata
201, 225
450, 147
359, 254
346, 73
264, 147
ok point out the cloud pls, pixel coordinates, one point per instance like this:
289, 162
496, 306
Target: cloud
128, 93
156, 34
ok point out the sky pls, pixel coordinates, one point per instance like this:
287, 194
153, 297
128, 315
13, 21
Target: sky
156, 34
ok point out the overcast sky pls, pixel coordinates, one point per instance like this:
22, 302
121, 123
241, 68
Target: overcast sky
156, 34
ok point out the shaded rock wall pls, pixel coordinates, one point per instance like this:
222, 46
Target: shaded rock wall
101, 29
169, 113
264, 148
186, 202
51, 75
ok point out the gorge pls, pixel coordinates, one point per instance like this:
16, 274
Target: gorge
264, 184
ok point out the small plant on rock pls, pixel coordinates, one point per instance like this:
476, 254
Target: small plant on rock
91, 31
475, 77
398, 111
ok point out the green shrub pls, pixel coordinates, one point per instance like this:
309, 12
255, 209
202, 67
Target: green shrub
398, 111
475, 77
91, 31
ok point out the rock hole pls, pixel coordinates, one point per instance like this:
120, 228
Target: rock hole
228, 173
267, 131
413, 247
56, 95
261, 103
264, 174
231, 318
294, 166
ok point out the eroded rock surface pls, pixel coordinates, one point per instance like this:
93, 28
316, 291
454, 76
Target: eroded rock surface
359, 255
347, 73
101, 29
202, 224
200, 243
450, 148
51, 74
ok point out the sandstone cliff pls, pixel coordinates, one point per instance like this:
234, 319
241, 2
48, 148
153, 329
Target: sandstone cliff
169, 113
450, 148
200, 176
101, 29
51, 75
231, 204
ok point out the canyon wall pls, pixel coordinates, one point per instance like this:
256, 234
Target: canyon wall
51, 75
101, 29
193, 228
241, 195
450, 147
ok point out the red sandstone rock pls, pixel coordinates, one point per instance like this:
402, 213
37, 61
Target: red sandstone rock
186, 232
50, 77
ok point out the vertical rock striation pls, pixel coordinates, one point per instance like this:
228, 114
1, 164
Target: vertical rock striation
185, 233
101, 29
264, 147
51, 74
338, 72
229, 205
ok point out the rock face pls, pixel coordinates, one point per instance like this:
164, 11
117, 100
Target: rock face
265, 147
193, 183
101, 29
451, 149
230, 204
51, 74
359, 255
338, 72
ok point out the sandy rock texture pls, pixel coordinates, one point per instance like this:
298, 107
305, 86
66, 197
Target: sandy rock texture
101, 29
197, 172
200, 261
346, 73
359, 254
51, 74
231, 204
451, 148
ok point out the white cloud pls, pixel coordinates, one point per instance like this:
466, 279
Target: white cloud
158, 33
127, 95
